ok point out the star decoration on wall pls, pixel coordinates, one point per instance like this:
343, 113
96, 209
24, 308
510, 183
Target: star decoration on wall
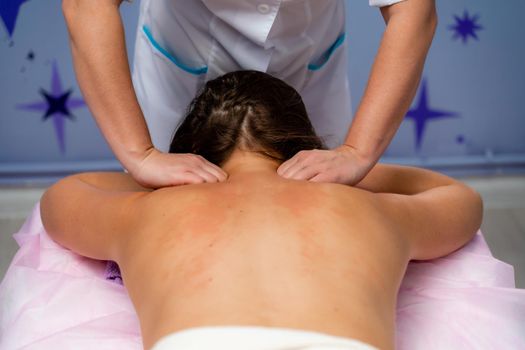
57, 105
422, 113
465, 27
9, 12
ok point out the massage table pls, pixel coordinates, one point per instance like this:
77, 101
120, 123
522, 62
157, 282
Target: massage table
52, 298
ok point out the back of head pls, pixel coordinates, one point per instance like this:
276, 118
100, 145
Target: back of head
249, 110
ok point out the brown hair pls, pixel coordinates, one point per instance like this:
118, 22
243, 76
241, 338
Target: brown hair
247, 109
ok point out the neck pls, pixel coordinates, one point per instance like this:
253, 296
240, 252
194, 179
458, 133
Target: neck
249, 163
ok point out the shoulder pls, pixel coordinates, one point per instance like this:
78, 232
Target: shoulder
353, 194
385, 208
146, 207
389, 210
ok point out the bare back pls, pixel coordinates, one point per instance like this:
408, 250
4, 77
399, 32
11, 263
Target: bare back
293, 254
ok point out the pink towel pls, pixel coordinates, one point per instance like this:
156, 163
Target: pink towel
52, 298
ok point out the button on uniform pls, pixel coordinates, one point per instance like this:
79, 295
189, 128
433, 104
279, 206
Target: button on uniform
263, 8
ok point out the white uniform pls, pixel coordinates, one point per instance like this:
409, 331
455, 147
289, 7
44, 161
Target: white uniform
181, 44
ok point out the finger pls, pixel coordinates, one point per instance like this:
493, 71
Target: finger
299, 166
292, 170
205, 174
219, 173
207, 169
295, 166
307, 172
285, 166
216, 170
187, 178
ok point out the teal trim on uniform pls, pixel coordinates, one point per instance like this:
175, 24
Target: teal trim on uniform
326, 56
195, 71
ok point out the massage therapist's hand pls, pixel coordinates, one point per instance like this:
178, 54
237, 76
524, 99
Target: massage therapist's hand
340, 165
157, 169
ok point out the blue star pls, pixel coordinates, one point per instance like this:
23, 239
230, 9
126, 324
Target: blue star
9, 12
465, 27
56, 106
422, 113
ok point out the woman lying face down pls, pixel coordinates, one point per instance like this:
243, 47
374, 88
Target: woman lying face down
259, 249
